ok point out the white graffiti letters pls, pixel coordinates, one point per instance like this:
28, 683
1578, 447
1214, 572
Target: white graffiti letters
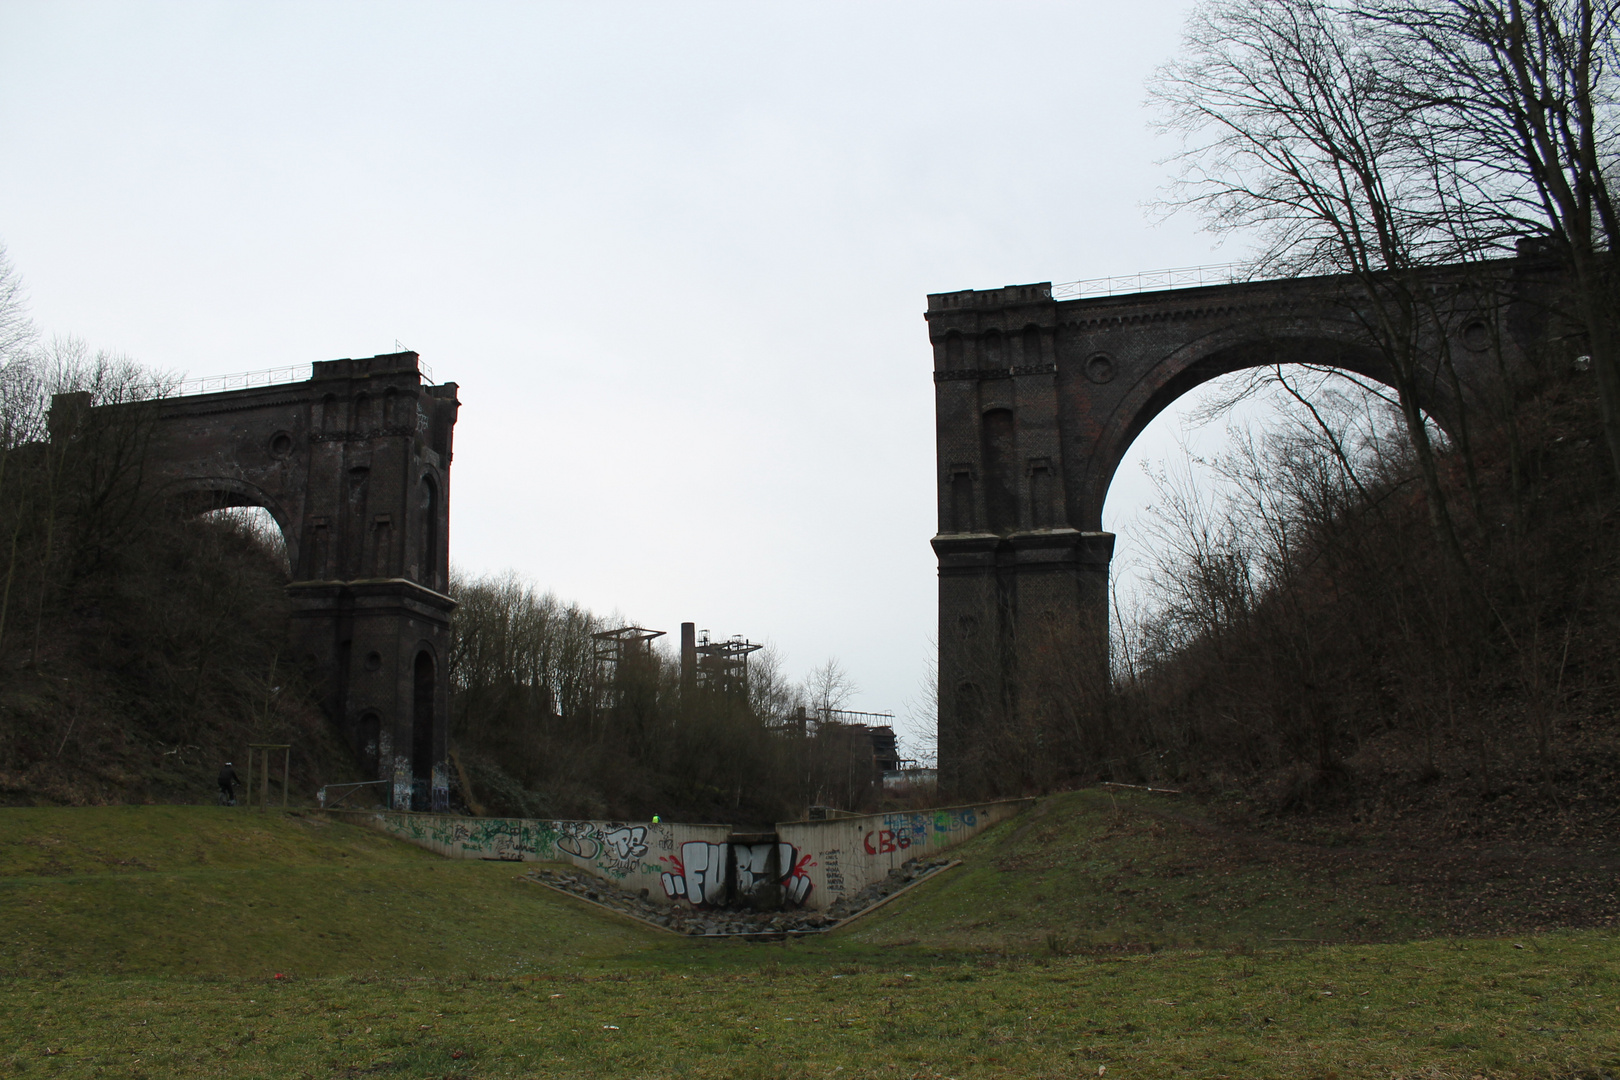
699, 873
578, 838
628, 842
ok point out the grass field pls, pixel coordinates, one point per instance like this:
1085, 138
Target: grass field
1093, 934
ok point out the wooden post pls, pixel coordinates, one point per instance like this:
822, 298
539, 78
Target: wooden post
247, 787
262, 758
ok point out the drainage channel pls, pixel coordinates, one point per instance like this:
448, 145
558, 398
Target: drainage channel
692, 924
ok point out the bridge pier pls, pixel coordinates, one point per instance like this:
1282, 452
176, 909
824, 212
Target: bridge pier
1015, 611
1037, 401
354, 465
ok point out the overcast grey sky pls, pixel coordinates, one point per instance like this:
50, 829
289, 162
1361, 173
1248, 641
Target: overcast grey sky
675, 254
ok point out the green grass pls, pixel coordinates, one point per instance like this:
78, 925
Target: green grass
132, 950
1090, 869
1421, 1009
220, 891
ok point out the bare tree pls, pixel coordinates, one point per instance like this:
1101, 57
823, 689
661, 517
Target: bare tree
828, 687
772, 697
17, 333
1293, 135
1514, 110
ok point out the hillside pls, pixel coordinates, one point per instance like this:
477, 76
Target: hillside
141, 670
201, 941
211, 891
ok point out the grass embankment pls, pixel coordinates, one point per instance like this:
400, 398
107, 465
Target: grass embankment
456, 969
1093, 870
185, 890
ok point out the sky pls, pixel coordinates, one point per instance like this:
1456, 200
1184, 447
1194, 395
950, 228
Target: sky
675, 255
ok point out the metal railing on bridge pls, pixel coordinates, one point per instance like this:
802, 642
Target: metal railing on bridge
1179, 277
243, 380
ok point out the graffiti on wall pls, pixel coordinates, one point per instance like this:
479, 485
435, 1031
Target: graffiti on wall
772, 865
703, 872
612, 847
833, 872
901, 831
797, 880
625, 845
698, 873
577, 838
489, 838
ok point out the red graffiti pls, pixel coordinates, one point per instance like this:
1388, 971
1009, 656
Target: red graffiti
797, 880
887, 842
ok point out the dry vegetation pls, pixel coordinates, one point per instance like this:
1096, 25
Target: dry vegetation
139, 649
1370, 627
141, 646
543, 726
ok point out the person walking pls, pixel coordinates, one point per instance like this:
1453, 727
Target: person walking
227, 785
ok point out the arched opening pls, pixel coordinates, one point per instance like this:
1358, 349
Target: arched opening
954, 360
258, 527
422, 698
428, 559
241, 509
1206, 445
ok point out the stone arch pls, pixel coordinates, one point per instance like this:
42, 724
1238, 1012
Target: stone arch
1070, 384
201, 494
343, 489
1223, 352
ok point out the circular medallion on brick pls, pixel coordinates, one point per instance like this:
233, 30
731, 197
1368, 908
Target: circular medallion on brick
1099, 369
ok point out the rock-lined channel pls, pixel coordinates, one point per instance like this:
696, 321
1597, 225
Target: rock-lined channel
713, 922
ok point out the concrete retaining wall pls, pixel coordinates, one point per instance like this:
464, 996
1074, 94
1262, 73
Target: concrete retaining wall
843, 856
634, 855
807, 864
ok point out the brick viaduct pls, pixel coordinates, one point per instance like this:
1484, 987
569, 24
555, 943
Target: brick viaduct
1038, 400
354, 465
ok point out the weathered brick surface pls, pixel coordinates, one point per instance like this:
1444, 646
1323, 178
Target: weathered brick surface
1038, 400
354, 465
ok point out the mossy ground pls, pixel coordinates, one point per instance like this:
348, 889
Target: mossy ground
130, 948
